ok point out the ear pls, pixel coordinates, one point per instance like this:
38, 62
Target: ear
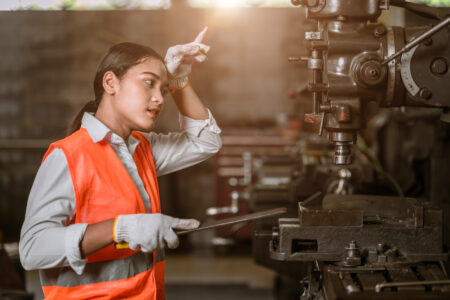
110, 83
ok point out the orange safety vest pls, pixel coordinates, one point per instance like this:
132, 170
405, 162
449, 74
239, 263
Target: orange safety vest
104, 189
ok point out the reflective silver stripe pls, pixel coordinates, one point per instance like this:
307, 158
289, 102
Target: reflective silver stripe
100, 271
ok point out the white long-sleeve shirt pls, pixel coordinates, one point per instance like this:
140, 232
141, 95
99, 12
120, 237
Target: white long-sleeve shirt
47, 241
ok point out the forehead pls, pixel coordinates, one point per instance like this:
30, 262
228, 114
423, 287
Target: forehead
150, 65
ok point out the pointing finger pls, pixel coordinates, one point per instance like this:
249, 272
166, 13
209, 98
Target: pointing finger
201, 35
185, 224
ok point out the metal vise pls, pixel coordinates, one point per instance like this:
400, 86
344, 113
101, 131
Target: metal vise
325, 229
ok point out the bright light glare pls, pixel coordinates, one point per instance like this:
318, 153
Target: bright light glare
83, 4
229, 3
239, 3
136, 4
15, 4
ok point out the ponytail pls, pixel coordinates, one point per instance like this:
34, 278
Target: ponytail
91, 107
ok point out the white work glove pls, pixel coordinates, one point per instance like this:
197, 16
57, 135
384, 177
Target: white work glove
179, 60
150, 231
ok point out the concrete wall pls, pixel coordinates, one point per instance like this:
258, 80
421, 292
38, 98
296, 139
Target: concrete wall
49, 59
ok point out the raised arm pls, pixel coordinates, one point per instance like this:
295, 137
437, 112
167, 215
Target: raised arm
200, 137
189, 104
179, 60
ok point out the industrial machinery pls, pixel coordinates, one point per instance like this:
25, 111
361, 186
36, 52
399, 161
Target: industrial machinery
354, 61
366, 246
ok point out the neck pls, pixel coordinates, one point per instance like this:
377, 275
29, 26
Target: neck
107, 115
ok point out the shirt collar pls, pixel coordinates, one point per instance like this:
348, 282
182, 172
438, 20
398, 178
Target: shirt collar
99, 131
96, 129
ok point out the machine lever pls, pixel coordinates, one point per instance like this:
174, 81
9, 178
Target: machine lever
265, 234
316, 118
380, 286
234, 220
322, 120
418, 40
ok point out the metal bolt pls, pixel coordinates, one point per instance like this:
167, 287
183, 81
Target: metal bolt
352, 255
373, 73
294, 58
439, 66
352, 245
379, 31
370, 73
425, 93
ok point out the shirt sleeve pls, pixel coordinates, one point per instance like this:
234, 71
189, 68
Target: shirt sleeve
46, 239
197, 141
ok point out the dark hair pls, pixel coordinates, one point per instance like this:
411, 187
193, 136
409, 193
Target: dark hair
118, 59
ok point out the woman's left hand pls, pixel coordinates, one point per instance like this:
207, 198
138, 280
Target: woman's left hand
179, 60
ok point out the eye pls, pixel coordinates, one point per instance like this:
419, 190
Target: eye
150, 82
164, 91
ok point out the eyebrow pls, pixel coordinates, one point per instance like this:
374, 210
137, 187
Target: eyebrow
151, 73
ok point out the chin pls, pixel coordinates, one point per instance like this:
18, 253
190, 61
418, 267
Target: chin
145, 127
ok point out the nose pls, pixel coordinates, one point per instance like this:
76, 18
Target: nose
158, 98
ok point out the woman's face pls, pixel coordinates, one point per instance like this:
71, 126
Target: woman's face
140, 94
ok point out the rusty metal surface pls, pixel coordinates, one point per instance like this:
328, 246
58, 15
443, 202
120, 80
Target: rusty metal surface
390, 222
331, 218
404, 274
346, 284
368, 281
332, 241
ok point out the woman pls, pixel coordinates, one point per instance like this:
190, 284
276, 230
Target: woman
97, 188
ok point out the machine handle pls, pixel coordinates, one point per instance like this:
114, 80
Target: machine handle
418, 40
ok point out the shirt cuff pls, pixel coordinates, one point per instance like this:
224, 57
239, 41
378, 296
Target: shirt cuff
195, 127
72, 238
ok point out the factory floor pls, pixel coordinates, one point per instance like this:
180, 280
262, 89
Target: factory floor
205, 276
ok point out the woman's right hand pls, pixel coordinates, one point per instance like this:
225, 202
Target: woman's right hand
150, 231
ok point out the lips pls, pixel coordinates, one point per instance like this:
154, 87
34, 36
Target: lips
154, 111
